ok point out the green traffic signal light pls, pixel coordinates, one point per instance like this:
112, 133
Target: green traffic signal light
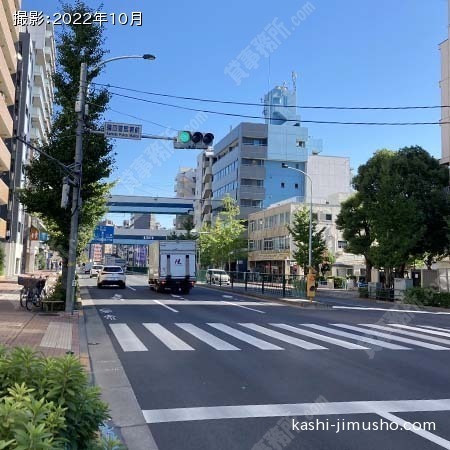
184, 137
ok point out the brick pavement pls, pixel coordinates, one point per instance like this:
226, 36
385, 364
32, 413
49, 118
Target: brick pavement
19, 327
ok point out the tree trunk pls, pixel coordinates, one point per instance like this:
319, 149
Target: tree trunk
368, 271
64, 273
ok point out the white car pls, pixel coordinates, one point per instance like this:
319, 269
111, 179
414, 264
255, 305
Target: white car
95, 270
217, 276
111, 275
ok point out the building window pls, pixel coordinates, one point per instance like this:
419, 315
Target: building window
251, 225
251, 245
252, 162
328, 217
268, 244
282, 185
252, 182
254, 141
342, 244
251, 203
296, 185
300, 143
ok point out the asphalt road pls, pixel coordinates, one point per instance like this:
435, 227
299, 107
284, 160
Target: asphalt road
215, 370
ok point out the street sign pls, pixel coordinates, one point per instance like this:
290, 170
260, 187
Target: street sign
103, 234
34, 234
122, 130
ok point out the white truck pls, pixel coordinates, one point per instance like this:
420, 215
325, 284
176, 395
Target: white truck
172, 266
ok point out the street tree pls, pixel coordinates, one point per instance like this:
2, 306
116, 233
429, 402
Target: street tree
300, 234
188, 226
354, 224
42, 196
224, 241
401, 209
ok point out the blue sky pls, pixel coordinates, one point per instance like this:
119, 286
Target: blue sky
346, 53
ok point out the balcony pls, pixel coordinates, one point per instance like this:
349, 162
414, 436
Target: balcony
6, 82
4, 193
7, 43
5, 157
207, 176
2, 229
38, 97
37, 120
207, 206
10, 9
253, 172
6, 122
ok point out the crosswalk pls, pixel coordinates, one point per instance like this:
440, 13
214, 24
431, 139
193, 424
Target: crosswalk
279, 336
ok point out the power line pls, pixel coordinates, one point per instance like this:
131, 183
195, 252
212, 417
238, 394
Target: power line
330, 122
230, 102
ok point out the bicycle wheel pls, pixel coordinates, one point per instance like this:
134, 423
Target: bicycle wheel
32, 300
23, 297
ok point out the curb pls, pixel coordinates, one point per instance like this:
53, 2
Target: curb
108, 374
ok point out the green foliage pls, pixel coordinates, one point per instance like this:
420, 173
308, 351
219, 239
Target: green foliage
300, 235
62, 406
223, 242
75, 44
339, 282
188, 226
29, 423
41, 262
2, 258
400, 211
363, 292
427, 297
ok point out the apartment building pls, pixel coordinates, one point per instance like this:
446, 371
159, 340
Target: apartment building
185, 184
271, 246
203, 191
32, 121
445, 97
9, 36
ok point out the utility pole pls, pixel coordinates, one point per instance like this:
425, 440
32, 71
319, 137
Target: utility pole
76, 193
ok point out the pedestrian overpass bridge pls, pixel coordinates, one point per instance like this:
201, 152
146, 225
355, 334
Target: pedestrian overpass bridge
149, 205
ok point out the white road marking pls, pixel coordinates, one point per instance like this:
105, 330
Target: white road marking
375, 342
320, 337
263, 345
206, 337
391, 337
166, 337
292, 410
283, 337
132, 288
147, 301
437, 328
420, 432
426, 329
175, 296
391, 310
245, 307
408, 333
126, 338
227, 296
165, 306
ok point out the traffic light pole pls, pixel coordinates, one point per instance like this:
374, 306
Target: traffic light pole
76, 193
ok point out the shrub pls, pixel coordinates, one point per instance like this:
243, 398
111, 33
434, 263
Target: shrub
339, 282
363, 292
427, 297
59, 383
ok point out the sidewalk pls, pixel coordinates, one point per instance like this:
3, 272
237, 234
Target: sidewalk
52, 334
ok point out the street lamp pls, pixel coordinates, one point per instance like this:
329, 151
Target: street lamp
77, 173
285, 166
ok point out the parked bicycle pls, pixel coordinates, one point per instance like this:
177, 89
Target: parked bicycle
33, 291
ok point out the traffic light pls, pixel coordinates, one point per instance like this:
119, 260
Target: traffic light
188, 139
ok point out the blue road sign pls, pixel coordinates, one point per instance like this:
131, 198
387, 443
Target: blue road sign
103, 234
